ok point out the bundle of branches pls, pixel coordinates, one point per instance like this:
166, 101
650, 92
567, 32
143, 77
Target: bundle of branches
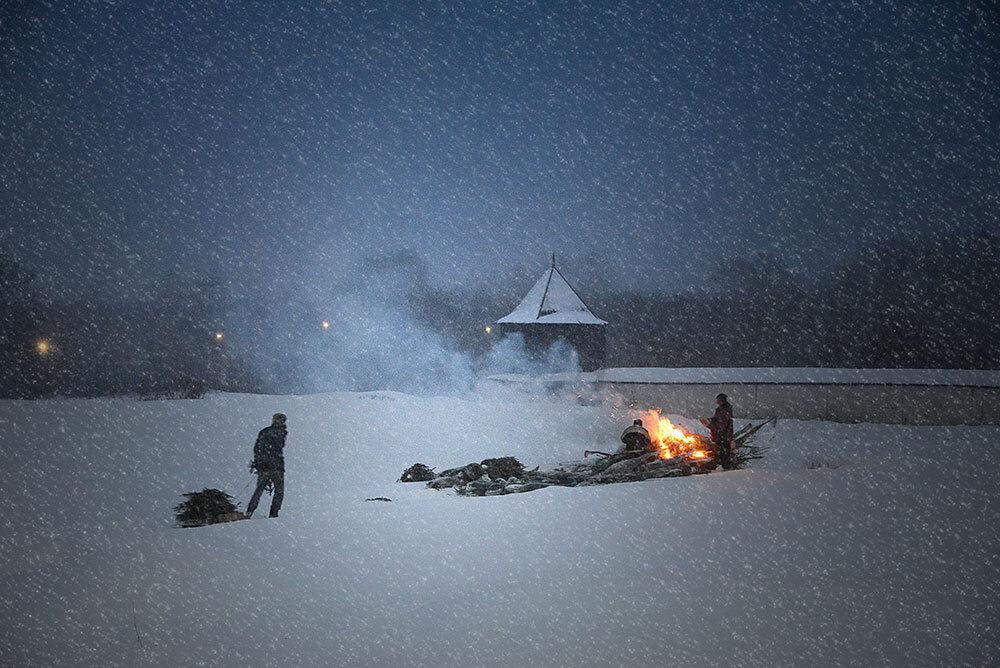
417, 473
209, 506
503, 467
474, 479
743, 451
478, 478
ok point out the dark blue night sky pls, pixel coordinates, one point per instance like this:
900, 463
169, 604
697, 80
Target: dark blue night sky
642, 142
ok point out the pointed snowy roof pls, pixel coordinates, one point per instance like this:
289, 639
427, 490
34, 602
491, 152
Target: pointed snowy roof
552, 301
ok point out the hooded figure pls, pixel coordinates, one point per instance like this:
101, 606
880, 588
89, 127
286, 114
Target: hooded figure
636, 438
269, 462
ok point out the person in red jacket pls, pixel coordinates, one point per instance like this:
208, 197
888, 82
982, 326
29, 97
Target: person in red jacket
721, 427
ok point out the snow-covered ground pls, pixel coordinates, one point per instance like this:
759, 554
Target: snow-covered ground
847, 545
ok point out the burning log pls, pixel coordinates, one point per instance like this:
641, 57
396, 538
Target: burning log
700, 450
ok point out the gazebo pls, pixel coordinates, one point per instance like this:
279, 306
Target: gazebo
552, 310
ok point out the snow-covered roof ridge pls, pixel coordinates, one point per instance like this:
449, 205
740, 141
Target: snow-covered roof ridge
553, 301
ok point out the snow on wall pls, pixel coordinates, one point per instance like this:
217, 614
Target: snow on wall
883, 396
963, 377
880, 404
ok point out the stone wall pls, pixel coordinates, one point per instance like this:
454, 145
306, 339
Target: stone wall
886, 404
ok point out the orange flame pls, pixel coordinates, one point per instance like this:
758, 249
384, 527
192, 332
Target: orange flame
671, 439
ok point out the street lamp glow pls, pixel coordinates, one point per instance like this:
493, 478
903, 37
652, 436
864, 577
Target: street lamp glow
43, 347
488, 329
326, 325
218, 336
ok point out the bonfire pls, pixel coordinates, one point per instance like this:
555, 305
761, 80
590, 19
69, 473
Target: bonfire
673, 440
675, 452
676, 445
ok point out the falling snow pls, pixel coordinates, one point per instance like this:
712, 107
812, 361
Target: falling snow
215, 211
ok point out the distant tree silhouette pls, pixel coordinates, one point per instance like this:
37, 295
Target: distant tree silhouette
924, 303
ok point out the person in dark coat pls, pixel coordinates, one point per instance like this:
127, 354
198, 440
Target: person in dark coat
269, 462
721, 427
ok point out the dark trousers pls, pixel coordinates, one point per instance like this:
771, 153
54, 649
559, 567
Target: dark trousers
264, 477
724, 455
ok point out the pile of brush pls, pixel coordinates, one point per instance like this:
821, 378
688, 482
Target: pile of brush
209, 506
506, 475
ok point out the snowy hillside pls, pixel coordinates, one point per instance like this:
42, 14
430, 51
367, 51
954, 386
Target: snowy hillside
846, 545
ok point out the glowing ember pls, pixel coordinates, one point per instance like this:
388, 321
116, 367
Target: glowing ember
671, 439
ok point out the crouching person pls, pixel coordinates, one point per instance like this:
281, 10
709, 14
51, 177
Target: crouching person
636, 440
269, 462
